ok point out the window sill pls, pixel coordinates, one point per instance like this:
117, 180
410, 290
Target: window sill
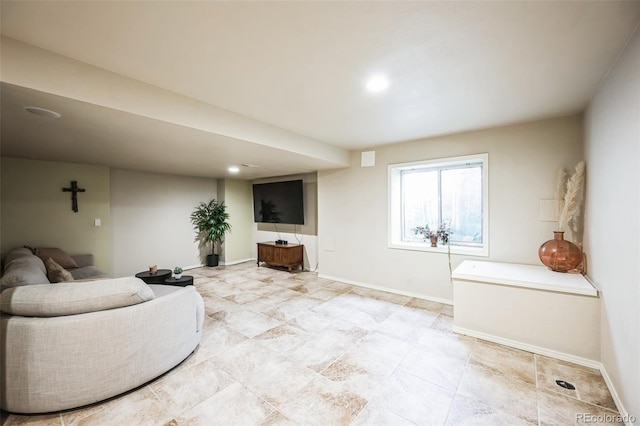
465, 251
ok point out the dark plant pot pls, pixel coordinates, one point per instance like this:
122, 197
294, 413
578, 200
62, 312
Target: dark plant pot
212, 260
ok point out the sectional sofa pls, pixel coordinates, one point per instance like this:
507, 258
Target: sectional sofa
71, 344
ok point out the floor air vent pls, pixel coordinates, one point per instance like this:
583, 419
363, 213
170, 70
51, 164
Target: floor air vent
565, 385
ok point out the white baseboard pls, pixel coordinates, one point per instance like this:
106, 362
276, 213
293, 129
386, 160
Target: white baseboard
530, 348
387, 289
624, 414
235, 262
191, 267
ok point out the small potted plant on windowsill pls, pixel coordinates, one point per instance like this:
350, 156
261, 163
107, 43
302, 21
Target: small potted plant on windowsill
177, 272
427, 233
442, 233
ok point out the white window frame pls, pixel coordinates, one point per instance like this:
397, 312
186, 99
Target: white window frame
395, 205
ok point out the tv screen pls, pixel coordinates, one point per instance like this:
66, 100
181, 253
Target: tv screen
278, 202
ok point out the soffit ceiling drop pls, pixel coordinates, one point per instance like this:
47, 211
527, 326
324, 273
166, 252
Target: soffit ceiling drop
303, 66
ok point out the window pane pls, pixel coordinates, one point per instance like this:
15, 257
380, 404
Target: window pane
420, 202
462, 203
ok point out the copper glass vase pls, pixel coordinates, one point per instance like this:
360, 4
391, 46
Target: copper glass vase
559, 254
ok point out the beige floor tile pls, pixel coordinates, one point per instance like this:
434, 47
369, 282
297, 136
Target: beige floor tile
265, 302
278, 380
381, 295
291, 308
303, 287
310, 321
323, 293
42, 420
467, 411
234, 405
456, 346
272, 377
283, 338
519, 365
141, 407
323, 402
365, 313
325, 346
426, 305
364, 367
277, 419
407, 324
500, 392
243, 297
336, 285
243, 359
413, 399
266, 289
447, 310
434, 367
379, 417
556, 409
250, 323
181, 392
443, 323
589, 384
72, 417
213, 342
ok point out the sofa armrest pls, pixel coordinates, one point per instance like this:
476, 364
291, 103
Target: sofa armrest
74, 298
83, 259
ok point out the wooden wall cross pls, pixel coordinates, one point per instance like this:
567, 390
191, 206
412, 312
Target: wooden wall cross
74, 194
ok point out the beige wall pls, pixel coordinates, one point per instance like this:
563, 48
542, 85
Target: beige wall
612, 231
36, 212
151, 220
352, 205
238, 198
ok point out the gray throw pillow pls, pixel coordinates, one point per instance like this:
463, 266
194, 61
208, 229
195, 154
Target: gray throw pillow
24, 270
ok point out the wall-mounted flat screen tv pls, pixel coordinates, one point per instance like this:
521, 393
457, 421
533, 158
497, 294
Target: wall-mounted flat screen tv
278, 202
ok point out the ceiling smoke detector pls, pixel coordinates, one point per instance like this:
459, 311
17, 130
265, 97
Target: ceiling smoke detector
42, 112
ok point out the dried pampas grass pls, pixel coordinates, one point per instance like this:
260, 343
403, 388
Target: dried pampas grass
572, 196
561, 190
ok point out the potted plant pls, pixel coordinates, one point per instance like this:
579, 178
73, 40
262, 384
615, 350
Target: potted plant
427, 233
177, 272
210, 221
442, 233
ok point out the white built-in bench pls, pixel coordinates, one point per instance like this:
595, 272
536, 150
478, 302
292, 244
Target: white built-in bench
528, 307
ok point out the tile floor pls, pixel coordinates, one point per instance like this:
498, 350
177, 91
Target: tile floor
294, 349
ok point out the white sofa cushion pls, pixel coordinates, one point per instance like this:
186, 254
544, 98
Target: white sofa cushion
74, 298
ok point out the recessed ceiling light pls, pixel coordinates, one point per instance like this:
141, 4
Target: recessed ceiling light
234, 169
377, 83
42, 112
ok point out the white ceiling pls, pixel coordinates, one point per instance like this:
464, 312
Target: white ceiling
302, 66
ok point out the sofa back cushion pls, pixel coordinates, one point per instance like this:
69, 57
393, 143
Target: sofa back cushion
74, 298
58, 255
23, 268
